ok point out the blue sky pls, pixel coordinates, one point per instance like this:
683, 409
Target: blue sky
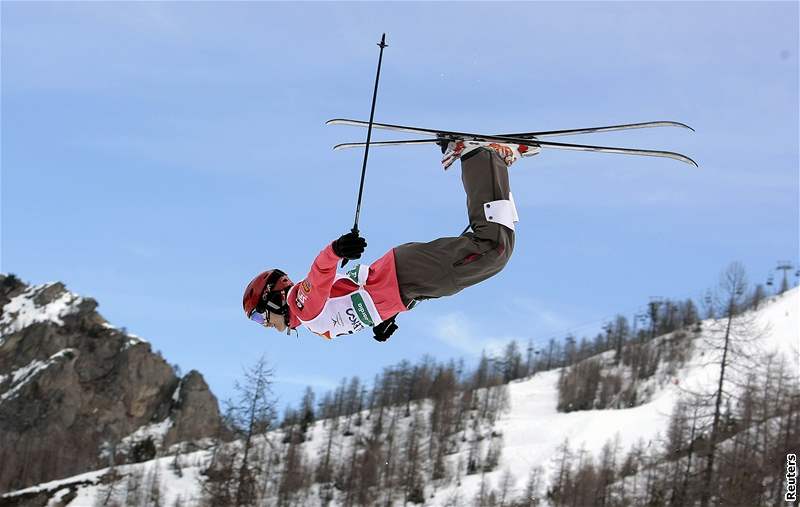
156, 156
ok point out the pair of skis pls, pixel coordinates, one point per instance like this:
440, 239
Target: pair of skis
524, 138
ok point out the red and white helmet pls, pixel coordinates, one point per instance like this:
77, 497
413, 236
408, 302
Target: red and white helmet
266, 294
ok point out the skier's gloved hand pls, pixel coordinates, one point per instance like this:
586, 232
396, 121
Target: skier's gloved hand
385, 329
349, 246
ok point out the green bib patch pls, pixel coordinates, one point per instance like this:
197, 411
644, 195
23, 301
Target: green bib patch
361, 308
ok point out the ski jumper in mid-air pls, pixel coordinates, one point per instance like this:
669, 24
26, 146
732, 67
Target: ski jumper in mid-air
370, 296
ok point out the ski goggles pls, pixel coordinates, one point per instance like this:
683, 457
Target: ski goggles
274, 303
260, 318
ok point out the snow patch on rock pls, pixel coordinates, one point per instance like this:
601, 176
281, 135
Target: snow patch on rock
154, 431
22, 311
132, 338
92, 477
176, 396
22, 376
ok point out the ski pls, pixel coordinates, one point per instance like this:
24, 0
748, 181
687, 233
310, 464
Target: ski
399, 142
530, 141
545, 133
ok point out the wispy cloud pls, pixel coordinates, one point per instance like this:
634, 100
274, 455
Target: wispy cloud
545, 319
464, 334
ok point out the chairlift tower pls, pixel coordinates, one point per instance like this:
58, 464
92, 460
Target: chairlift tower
655, 303
784, 266
638, 318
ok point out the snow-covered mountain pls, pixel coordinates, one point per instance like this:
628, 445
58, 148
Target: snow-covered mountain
76, 393
508, 447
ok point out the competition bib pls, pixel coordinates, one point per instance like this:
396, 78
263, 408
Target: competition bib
346, 314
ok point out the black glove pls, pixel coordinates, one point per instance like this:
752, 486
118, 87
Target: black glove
349, 246
385, 329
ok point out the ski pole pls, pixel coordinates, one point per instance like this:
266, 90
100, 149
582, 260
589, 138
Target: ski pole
381, 44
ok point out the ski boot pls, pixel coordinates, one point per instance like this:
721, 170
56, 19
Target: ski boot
510, 153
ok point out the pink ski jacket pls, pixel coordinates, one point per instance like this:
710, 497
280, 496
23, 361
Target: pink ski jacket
308, 297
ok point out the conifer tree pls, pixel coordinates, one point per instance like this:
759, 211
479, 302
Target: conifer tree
728, 337
253, 413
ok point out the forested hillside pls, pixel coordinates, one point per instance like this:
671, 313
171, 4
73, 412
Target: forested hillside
698, 407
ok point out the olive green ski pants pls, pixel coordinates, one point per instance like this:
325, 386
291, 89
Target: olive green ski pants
445, 266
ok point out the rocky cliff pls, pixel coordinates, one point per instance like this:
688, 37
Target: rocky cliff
77, 393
